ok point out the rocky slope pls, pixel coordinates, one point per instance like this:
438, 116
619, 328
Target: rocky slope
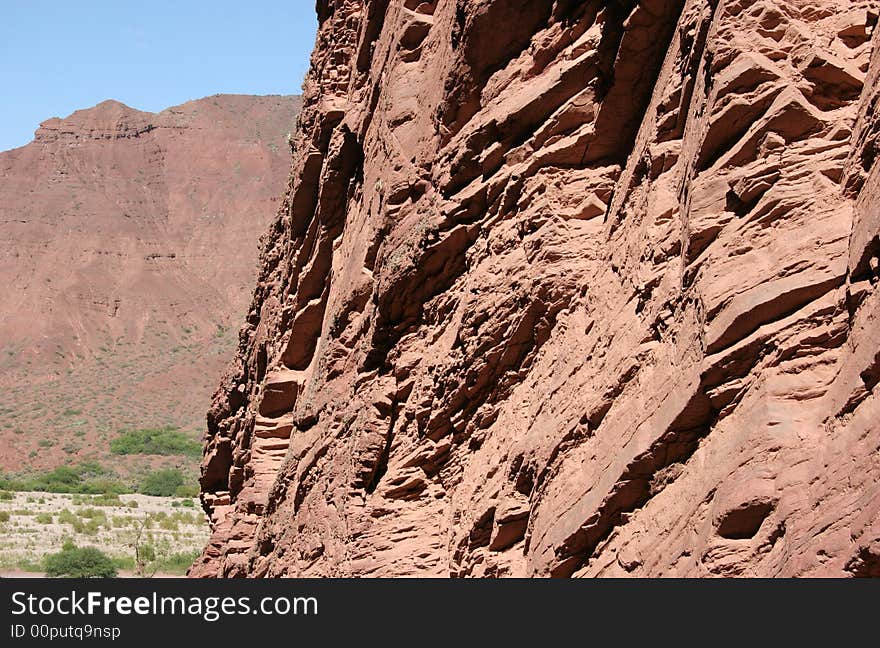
565, 288
129, 243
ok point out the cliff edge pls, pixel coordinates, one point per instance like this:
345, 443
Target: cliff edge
565, 288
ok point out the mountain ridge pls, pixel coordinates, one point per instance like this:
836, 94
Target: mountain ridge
129, 237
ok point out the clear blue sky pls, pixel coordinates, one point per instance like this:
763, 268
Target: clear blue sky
60, 56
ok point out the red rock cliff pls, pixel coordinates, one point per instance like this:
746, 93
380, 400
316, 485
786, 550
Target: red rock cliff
565, 288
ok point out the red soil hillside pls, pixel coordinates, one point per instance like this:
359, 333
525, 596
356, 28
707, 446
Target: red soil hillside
128, 251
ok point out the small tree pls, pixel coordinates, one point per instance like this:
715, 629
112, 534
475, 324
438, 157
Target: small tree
143, 553
79, 562
147, 559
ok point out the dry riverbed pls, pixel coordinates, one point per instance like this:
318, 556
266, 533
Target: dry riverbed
34, 524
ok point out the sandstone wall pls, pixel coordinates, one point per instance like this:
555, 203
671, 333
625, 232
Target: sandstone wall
565, 288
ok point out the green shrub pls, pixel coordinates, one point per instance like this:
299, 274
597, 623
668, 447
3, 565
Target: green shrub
62, 477
91, 527
123, 562
188, 491
147, 553
86, 478
88, 522
104, 487
27, 565
160, 441
66, 517
107, 499
168, 525
186, 518
178, 563
44, 518
4, 516
163, 483
79, 562
93, 514
6, 495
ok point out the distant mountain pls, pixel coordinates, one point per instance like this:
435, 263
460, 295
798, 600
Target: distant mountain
127, 258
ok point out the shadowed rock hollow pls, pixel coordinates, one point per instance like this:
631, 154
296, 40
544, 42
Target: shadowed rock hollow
565, 288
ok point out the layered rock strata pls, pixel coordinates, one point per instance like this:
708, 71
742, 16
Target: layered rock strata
565, 288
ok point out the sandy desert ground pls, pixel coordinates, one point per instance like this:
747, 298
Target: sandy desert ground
40, 523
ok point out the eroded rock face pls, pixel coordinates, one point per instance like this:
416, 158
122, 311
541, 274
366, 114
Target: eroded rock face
565, 288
